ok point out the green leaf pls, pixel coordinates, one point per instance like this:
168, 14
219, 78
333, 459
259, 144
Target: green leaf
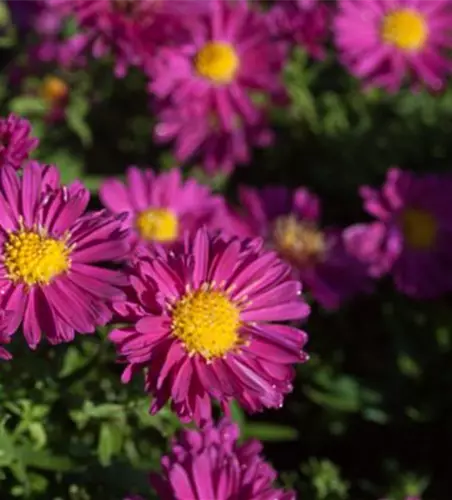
76, 112
25, 105
269, 432
105, 448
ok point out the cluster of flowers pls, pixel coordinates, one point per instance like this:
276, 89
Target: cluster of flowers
205, 289
214, 67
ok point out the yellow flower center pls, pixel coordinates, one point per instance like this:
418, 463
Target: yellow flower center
53, 89
158, 224
299, 242
33, 258
420, 228
206, 322
406, 29
217, 61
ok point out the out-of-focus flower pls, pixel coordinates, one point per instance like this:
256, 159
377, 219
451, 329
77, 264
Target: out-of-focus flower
50, 278
289, 221
303, 22
199, 134
384, 43
161, 207
227, 56
55, 92
210, 464
16, 142
128, 30
206, 317
412, 237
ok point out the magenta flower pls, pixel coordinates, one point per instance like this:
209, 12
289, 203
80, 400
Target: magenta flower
16, 142
386, 42
161, 207
211, 464
289, 221
50, 280
302, 22
412, 237
128, 30
206, 317
198, 134
226, 57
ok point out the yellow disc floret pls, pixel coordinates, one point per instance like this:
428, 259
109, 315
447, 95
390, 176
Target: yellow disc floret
31, 257
420, 228
158, 224
218, 62
405, 29
300, 242
206, 322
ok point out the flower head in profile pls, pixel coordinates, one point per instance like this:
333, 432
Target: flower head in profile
303, 22
161, 207
51, 280
289, 221
206, 317
384, 43
210, 464
412, 236
129, 31
16, 142
227, 56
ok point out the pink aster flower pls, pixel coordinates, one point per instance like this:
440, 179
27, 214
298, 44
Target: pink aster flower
412, 237
385, 42
303, 22
50, 277
161, 207
198, 134
128, 30
211, 464
289, 221
206, 318
16, 142
227, 56
4, 337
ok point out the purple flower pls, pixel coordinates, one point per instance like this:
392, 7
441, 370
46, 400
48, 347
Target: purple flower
50, 277
303, 22
205, 82
289, 221
206, 316
198, 133
161, 207
386, 42
128, 30
211, 464
412, 237
16, 142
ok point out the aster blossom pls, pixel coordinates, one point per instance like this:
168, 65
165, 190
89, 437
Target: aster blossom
16, 141
160, 206
303, 22
50, 277
385, 43
205, 324
227, 56
412, 236
210, 464
290, 222
129, 31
